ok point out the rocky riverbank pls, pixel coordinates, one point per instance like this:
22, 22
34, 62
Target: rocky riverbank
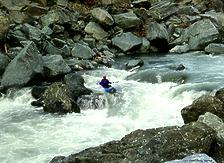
47, 44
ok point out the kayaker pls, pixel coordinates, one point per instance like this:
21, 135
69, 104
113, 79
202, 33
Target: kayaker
105, 83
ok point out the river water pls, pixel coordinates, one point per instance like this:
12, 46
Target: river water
148, 97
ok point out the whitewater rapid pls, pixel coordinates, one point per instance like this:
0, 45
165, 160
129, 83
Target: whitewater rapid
28, 135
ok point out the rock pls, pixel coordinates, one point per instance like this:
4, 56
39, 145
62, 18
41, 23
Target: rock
158, 36
177, 67
195, 157
20, 17
17, 36
115, 2
127, 20
220, 94
126, 41
57, 99
215, 48
32, 33
4, 61
4, 25
200, 106
38, 91
102, 16
55, 65
95, 30
216, 123
50, 49
76, 86
59, 16
145, 46
35, 9
82, 51
180, 49
23, 67
134, 63
198, 38
151, 145
37, 103
141, 4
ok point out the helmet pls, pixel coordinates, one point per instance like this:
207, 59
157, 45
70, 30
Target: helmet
104, 76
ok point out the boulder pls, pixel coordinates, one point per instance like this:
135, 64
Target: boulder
4, 61
75, 84
32, 33
215, 48
197, 37
126, 41
134, 63
82, 51
127, 20
57, 99
23, 67
102, 16
4, 25
55, 65
151, 145
58, 16
38, 91
220, 94
200, 106
95, 30
216, 123
158, 36
141, 4
145, 46
180, 49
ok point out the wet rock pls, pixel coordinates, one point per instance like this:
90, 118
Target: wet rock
38, 91
102, 16
145, 46
37, 103
127, 20
23, 67
82, 51
57, 99
215, 48
126, 41
134, 63
200, 106
216, 123
55, 65
76, 86
151, 145
95, 30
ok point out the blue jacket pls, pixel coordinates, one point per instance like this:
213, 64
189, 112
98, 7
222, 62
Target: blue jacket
105, 83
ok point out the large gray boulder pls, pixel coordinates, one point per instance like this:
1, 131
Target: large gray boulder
215, 48
23, 67
200, 106
95, 30
155, 30
151, 145
55, 65
82, 51
126, 41
127, 20
216, 123
197, 37
102, 16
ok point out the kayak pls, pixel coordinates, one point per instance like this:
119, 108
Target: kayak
110, 90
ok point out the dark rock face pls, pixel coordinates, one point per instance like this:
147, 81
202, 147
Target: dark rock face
4, 61
38, 91
152, 145
76, 86
202, 105
57, 99
23, 67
